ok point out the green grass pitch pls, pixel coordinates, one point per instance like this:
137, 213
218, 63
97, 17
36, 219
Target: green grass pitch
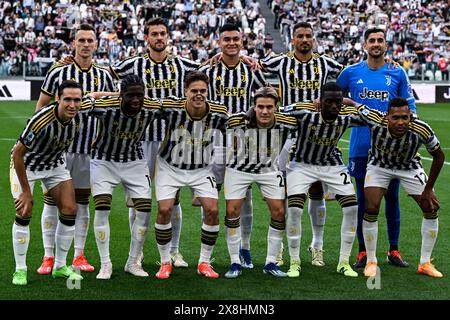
313, 283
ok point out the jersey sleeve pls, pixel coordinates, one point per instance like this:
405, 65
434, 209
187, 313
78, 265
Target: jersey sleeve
260, 80
405, 91
272, 64
124, 68
334, 67
50, 84
153, 107
427, 135
353, 116
298, 110
343, 80
371, 117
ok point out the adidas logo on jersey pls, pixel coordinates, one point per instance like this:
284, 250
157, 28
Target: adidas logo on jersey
359, 81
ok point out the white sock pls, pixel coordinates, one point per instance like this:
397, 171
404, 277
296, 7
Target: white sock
317, 212
294, 234
102, 232
21, 239
49, 220
206, 250
176, 219
246, 220
429, 231
164, 249
81, 228
348, 231
63, 241
233, 237
131, 217
370, 233
274, 240
138, 235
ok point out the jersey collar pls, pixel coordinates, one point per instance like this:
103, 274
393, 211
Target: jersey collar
157, 62
197, 118
83, 69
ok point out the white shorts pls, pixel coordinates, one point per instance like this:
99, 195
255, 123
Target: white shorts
169, 179
151, 149
336, 179
413, 181
134, 176
49, 179
79, 168
237, 182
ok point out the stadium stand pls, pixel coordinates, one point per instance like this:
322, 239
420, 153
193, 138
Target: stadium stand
34, 33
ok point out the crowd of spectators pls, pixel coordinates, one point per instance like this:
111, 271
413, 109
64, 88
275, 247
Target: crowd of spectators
40, 31
417, 31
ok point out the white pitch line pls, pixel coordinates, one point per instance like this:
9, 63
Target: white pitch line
7, 139
424, 158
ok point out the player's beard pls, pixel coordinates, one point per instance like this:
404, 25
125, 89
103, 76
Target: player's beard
158, 49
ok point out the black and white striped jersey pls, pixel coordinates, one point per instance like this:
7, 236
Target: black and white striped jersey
232, 86
118, 133
189, 142
161, 79
317, 138
47, 137
93, 79
400, 153
256, 150
301, 81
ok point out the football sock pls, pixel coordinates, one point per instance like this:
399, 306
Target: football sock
20, 239
138, 235
294, 227
81, 228
176, 219
429, 235
370, 232
274, 240
317, 212
208, 239
348, 231
246, 220
163, 234
102, 233
131, 217
49, 220
233, 237
65, 232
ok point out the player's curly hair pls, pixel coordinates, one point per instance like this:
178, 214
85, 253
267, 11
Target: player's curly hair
131, 80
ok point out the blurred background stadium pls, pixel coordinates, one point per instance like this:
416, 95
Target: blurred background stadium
34, 34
